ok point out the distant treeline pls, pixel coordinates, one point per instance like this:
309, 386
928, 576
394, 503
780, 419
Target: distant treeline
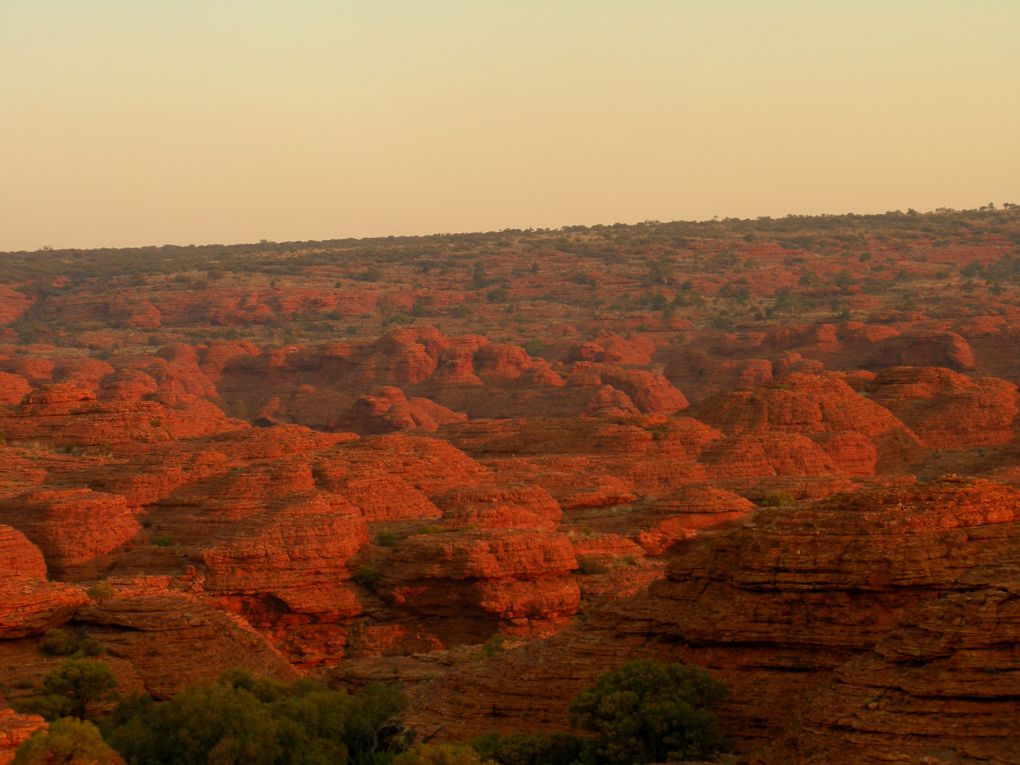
291, 257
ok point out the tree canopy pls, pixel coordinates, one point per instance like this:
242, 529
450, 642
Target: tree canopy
647, 711
66, 742
246, 720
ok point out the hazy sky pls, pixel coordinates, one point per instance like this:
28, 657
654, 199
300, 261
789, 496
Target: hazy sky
126, 122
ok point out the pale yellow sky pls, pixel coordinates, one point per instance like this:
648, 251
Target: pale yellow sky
128, 122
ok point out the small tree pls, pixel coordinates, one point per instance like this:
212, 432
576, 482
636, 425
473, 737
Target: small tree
74, 688
647, 711
66, 742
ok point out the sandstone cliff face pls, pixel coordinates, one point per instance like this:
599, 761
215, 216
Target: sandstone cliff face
841, 598
169, 639
492, 507
946, 409
71, 527
944, 349
32, 606
13, 388
264, 534
387, 410
941, 687
682, 513
515, 576
29, 605
69, 415
700, 374
18, 556
15, 730
392, 478
812, 404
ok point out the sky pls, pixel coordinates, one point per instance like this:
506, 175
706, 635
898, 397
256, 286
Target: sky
148, 122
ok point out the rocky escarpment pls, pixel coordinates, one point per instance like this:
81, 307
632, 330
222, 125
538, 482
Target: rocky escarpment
941, 687
162, 640
948, 410
72, 527
29, 604
796, 603
419, 379
15, 729
513, 576
812, 405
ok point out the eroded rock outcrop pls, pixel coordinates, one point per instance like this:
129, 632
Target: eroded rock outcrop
171, 639
513, 576
783, 605
941, 687
15, 729
29, 604
948, 410
812, 404
72, 527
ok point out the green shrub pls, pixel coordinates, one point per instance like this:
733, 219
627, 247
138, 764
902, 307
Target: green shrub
389, 538
256, 721
57, 642
647, 711
439, 754
100, 591
777, 499
73, 689
589, 566
531, 749
368, 576
494, 644
66, 741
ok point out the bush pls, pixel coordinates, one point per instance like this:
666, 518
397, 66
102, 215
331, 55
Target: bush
368, 576
66, 741
439, 754
256, 721
589, 566
647, 711
57, 642
100, 591
73, 689
531, 749
494, 644
389, 538
777, 499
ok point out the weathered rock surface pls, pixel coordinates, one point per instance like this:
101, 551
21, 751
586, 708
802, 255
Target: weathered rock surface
811, 404
491, 507
946, 409
13, 388
73, 526
18, 556
171, 639
15, 729
785, 604
515, 576
942, 687
29, 604
387, 410
66, 414
944, 349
